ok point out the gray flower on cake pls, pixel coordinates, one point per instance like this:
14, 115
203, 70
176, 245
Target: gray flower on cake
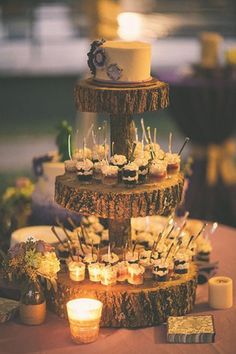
99, 58
114, 72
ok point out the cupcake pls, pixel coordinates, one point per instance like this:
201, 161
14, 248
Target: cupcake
157, 171
135, 274
97, 173
110, 175
130, 174
142, 164
70, 166
173, 163
160, 270
84, 170
181, 263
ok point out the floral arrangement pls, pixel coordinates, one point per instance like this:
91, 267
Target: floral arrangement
32, 260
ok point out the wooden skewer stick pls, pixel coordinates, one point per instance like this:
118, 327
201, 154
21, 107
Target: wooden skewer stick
55, 233
202, 230
171, 246
169, 233
71, 222
69, 146
135, 244
187, 139
190, 241
144, 130
132, 152
80, 242
155, 136
170, 142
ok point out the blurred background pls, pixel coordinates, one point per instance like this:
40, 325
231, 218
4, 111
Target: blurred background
43, 52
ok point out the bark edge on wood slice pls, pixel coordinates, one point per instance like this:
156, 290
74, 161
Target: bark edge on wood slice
131, 306
91, 97
118, 202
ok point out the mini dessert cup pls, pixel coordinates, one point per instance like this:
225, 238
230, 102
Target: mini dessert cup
157, 171
135, 274
110, 175
109, 275
132, 257
181, 263
146, 262
97, 173
173, 163
90, 258
70, 166
160, 270
204, 249
122, 271
95, 270
85, 171
142, 164
120, 161
110, 259
130, 174
76, 271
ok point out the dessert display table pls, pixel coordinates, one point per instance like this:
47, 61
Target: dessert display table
53, 337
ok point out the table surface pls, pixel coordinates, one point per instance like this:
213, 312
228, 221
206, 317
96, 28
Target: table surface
54, 335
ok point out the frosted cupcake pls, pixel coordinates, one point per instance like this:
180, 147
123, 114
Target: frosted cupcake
110, 175
85, 170
142, 164
160, 270
97, 174
118, 160
157, 171
130, 174
181, 263
173, 163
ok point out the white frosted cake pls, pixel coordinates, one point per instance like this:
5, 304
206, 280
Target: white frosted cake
120, 61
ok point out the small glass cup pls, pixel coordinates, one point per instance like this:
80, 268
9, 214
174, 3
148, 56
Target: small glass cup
84, 317
76, 271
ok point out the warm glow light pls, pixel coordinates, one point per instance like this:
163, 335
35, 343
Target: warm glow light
84, 316
130, 25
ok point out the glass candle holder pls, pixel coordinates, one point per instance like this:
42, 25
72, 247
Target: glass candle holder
84, 317
76, 271
95, 270
109, 275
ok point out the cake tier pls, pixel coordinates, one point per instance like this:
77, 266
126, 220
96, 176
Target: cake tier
119, 202
124, 62
91, 97
131, 306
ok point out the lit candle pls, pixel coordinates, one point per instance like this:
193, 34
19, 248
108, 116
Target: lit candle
95, 270
84, 317
109, 275
135, 274
77, 271
220, 292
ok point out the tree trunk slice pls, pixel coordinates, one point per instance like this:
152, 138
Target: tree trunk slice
122, 130
118, 202
131, 306
91, 97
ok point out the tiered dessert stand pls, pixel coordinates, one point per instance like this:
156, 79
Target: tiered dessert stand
124, 305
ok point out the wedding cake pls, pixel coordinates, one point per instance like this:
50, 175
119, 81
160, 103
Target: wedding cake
120, 61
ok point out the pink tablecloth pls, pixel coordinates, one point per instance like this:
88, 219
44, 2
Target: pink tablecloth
54, 336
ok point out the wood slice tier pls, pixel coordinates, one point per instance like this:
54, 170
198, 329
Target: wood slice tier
131, 306
91, 97
118, 202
